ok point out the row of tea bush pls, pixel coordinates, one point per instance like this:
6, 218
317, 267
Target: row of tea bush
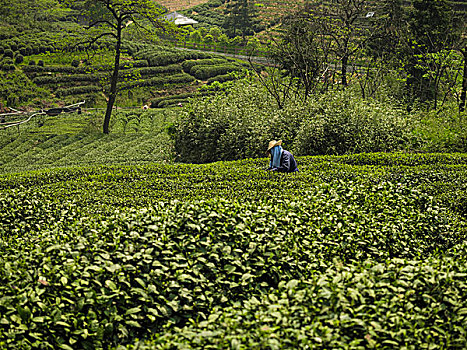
350, 252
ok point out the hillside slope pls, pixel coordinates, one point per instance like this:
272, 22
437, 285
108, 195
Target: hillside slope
138, 137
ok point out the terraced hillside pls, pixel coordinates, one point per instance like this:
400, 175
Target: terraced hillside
147, 71
137, 137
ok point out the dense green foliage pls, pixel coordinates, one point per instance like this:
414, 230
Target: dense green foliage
207, 13
106, 243
240, 121
67, 76
351, 251
139, 136
238, 124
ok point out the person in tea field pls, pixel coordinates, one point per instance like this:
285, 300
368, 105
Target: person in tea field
281, 160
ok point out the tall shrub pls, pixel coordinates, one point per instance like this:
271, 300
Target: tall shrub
240, 123
342, 123
224, 127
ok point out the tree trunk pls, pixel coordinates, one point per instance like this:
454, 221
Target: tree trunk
464, 82
114, 80
344, 62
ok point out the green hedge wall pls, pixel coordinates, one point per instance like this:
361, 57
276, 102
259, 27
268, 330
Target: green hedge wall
78, 90
204, 72
169, 56
157, 81
189, 64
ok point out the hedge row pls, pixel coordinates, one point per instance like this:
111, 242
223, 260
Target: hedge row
156, 102
189, 64
161, 102
239, 125
352, 307
43, 42
171, 68
169, 56
81, 70
205, 72
78, 90
335, 256
205, 13
222, 78
43, 80
157, 81
95, 77
176, 102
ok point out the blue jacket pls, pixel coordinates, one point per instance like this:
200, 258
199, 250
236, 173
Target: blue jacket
288, 163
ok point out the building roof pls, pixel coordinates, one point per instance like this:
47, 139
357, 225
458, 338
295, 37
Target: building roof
179, 19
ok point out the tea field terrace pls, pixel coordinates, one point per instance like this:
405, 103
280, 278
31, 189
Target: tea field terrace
355, 251
71, 139
158, 76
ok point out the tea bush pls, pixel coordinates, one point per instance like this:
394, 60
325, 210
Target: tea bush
155, 102
77, 90
8, 53
47, 79
222, 78
349, 307
162, 56
352, 251
159, 102
189, 64
205, 72
340, 123
19, 59
16, 88
159, 80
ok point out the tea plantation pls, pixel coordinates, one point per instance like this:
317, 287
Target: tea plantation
353, 252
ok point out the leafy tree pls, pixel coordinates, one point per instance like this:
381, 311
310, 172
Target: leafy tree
209, 39
240, 18
223, 40
463, 49
319, 33
302, 50
203, 31
461, 46
348, 27
432, 31
386, 48
108, 19
235, 41
310, 41
389, 31
215, 32
195, 36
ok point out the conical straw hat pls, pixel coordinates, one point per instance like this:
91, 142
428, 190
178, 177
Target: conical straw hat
273, 143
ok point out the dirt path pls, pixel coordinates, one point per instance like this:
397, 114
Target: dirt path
177, 5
